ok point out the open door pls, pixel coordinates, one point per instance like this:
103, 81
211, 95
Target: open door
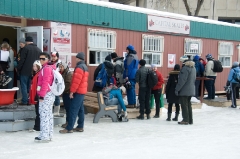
35, 32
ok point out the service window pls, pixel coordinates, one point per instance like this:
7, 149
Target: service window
152, 49
225, 52
100, 44
192, 47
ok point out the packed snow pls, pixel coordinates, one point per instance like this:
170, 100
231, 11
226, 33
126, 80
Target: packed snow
215, 134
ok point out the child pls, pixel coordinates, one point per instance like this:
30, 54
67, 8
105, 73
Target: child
4, 56
113, 96
33, 97
67, 76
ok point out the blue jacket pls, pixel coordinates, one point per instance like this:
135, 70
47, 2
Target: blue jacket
230, 75
199, 68
130, 65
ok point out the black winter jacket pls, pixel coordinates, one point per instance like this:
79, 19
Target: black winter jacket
28, 55
141, 76
170, 88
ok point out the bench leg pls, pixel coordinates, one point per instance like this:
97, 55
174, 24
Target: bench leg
98, 116
113, 115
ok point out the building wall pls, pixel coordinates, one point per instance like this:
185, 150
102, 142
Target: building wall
172, 45
212, 9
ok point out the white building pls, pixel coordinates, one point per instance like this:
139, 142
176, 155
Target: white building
222, 10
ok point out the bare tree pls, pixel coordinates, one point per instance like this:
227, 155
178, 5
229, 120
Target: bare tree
199, 5
168, 4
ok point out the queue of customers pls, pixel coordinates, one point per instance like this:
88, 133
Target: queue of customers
118, 78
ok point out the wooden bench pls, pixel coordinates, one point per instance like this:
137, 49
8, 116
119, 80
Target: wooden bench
96, 100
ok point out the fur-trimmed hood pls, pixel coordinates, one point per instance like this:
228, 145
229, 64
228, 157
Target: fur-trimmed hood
174, 72
189, 63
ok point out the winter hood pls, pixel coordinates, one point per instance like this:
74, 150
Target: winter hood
189, 63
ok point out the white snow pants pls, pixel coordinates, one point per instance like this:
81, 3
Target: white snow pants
46, 117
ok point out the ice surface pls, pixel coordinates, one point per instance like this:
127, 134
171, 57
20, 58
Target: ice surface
215, 134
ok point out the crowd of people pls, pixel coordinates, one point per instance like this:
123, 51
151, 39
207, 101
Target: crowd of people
115, 78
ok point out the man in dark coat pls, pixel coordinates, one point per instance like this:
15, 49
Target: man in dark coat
29, 54
170, 92
199, 73
110, 72
144, 90
185, 89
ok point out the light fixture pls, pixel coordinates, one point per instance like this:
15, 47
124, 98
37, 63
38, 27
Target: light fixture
238, 46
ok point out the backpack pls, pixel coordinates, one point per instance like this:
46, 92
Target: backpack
101, 79
217, 66
58, 84
152, 79
236, 76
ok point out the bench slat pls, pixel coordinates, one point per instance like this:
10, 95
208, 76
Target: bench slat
90, 99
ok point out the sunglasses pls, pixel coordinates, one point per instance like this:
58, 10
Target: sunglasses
43, 59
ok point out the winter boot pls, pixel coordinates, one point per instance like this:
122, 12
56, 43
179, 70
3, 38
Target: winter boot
156, 116
148, 116
141, 116
6, 80
56, 110
124, 117
169, 116
176, 117
64, 125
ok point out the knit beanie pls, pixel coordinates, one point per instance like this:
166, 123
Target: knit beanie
22, 40
108, 58
235, 64
114, 55
209, 56
29, 39
130, 47
65, 65
153, 65
81, 55
142, 62
177, 67
37, 62
55, 54
183, 58
196, 58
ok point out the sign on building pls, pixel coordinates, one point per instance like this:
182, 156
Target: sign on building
169, 25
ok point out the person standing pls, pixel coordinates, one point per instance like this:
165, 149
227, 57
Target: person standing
78, 90
199, 73
210, 84
33, 97
144, 90
29, 54
46, 98
233, 83
56, 61
67, 76
4, 79
130, 69
185, 89
118, 68
170, 92
157, 90
10, 69
110, 71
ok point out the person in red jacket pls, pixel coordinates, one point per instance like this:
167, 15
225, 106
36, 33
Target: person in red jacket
33, 97
157, 90
78, 89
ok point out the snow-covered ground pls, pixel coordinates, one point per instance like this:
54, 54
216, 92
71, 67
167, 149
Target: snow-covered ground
215, 134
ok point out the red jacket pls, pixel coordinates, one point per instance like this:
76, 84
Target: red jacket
160, 81
79, 82
33, 90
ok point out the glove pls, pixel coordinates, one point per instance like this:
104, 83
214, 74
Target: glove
176, 92
228, 83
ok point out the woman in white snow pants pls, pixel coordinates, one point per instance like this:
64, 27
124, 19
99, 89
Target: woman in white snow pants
46, 98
